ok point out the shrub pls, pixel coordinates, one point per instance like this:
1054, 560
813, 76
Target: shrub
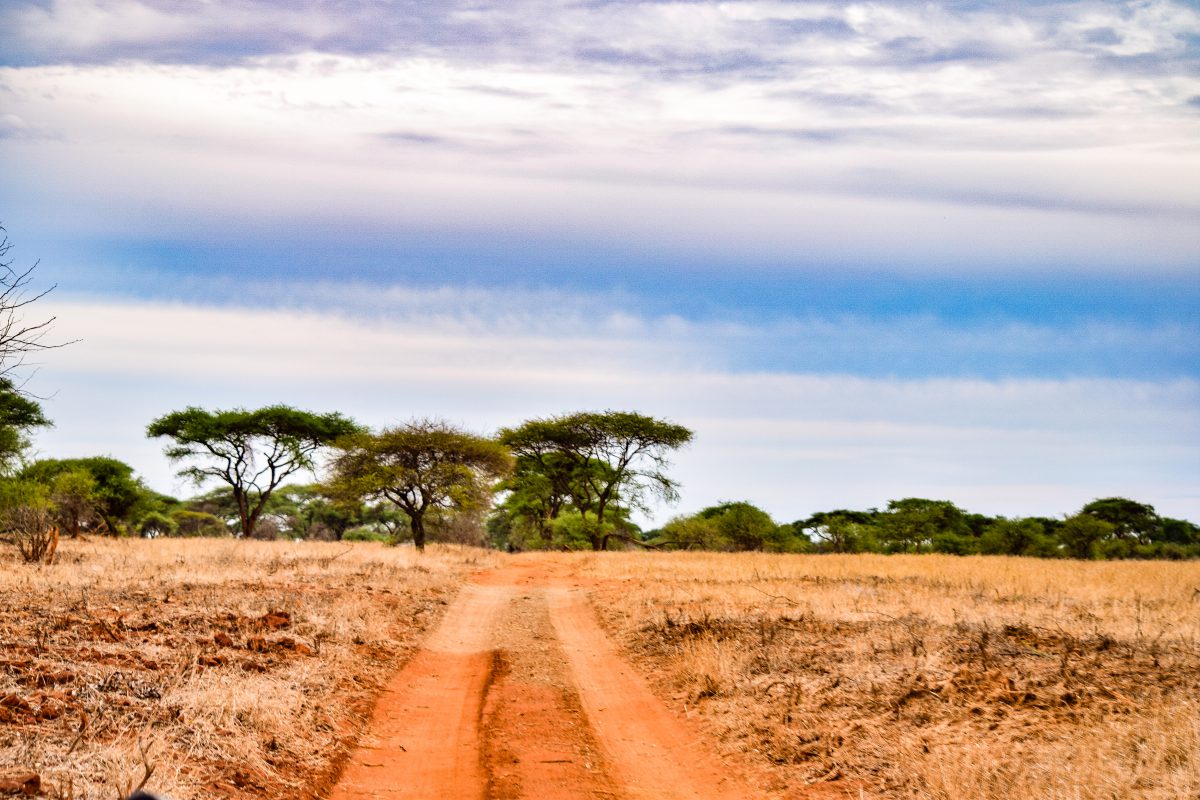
32, 529
365, 535
198, 523
154, 524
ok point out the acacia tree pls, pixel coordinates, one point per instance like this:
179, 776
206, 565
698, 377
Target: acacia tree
251, 451
1130, 519
422, 467
538, 493
842, 530
601, 458
914, 523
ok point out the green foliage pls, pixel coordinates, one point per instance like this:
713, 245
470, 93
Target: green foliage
1179, 532
197, 523
117, 495
742, 525
15, 492
156, 523
19, 416
574, 531
1083, 534
307, 511
366, 535
731, 526
538, 490
1130, 520
599, 460
691, 533
27, 518
77, 501
218, 503
422, 467
252, 452
915, 524
1017, 537
841, 531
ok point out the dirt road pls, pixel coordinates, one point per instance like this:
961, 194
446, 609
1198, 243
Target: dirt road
519, 693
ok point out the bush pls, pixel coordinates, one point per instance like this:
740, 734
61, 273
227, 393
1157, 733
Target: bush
1083, 535
365, 535
32, 529
198, 523
154, 524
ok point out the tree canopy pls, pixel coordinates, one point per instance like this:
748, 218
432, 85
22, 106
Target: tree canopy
1129, 518
115, 495
252, 451
19, 416
423, 467
598, 459
731, 526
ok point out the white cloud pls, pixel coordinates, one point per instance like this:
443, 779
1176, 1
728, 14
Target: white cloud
794, 443
1035, 154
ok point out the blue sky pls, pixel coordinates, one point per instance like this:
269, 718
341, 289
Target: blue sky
866, 250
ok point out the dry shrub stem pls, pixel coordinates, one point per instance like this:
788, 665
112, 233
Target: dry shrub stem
32, 530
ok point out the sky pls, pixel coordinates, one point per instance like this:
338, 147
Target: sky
865, 251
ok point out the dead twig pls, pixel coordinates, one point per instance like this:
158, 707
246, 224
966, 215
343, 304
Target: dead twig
782, 597
147, 772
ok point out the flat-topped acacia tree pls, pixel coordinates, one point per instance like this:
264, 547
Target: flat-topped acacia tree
420, 466
251, 451
599, 458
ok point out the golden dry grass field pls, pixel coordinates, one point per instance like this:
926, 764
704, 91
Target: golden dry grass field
247, 669
927, 676
242, 668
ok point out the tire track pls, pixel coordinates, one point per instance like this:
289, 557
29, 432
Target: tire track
652, 754
424, 733
519, 694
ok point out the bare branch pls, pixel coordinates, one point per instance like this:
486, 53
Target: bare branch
18, 338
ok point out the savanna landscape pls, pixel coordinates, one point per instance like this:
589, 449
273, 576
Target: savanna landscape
455, 615
227, 668
603, 400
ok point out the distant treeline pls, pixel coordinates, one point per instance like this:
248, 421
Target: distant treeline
102, 496
1109, 528
570, 482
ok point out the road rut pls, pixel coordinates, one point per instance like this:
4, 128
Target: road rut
519, 693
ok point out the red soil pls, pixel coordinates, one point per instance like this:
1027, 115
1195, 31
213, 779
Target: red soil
519, 693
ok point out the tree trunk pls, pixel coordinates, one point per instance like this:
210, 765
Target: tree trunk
418, 531
243, 505
593, 533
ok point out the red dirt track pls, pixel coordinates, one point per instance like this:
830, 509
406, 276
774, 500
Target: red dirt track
519, 693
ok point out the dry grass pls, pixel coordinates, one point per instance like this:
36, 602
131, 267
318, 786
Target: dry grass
927, 676
241, 668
